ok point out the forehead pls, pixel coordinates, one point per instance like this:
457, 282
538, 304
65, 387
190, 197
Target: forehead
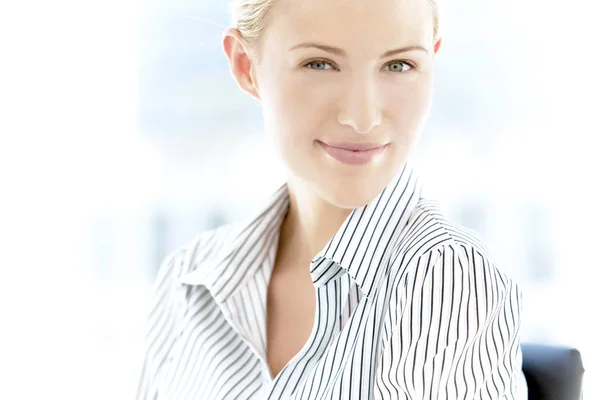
370, 23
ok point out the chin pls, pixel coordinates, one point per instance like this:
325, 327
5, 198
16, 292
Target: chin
350, 194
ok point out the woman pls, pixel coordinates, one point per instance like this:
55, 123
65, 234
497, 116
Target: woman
348, 285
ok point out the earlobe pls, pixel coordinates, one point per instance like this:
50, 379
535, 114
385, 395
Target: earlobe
240, 62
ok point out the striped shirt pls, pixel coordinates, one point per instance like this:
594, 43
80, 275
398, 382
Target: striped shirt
408, 306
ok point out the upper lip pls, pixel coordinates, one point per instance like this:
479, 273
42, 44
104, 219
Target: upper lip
353, 146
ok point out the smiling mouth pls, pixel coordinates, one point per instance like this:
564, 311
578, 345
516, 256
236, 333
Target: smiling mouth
353, 153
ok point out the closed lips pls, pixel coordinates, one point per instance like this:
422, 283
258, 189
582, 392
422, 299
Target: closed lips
355, 146
353, 153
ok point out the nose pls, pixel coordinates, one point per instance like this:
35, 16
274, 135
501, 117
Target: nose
360, 106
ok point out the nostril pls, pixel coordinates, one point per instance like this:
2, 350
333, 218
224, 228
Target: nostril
362, 125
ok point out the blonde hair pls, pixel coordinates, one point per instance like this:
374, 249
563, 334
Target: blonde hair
250, 18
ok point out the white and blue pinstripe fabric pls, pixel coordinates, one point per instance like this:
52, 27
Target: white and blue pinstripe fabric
409, 306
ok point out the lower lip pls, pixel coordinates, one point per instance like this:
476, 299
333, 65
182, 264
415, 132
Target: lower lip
353, 157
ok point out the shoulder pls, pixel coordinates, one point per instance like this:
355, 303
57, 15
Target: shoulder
192, 256
446, 269
431, 241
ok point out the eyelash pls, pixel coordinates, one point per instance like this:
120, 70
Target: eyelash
332, 64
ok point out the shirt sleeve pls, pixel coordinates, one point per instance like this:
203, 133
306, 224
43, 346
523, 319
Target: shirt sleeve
162, 323
457, 331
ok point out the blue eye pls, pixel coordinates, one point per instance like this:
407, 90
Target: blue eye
319, 65
398, 66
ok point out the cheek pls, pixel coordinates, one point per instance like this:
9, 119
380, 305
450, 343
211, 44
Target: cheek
305, 96
408, 106
297, 108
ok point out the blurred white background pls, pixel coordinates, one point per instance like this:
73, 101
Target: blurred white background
122, 136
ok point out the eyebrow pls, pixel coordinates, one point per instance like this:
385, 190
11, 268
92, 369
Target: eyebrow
338, 51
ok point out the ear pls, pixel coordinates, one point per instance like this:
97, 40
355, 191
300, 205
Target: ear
240, 62
437, 45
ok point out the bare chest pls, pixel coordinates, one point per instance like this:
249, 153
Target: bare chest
291, 306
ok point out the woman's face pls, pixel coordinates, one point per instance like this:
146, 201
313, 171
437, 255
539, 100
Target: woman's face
339, 75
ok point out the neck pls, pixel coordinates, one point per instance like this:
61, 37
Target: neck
310, 222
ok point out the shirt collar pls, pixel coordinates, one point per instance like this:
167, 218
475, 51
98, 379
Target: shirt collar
362, 246
364, 243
